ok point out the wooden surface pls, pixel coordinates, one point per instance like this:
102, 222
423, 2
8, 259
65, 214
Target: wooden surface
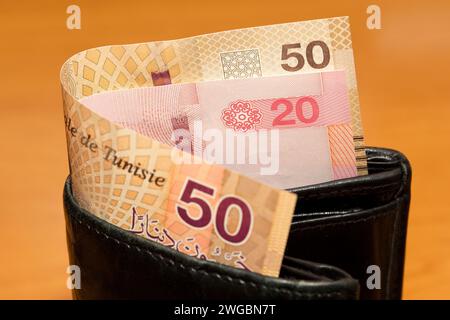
403, 79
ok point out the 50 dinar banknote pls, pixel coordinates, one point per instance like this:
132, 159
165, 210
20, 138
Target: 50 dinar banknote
282, 49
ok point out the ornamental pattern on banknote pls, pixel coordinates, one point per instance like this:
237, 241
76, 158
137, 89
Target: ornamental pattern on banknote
240, 116
241, 64
67, 77
125, 66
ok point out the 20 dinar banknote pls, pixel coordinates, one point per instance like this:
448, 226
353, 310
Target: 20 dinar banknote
286, 131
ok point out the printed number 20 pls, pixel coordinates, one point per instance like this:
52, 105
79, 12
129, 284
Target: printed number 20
243, 229
280, 119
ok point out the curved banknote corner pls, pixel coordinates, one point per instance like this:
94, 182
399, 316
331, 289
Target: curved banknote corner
203, 210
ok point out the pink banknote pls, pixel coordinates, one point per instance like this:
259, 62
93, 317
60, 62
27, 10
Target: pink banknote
286, 131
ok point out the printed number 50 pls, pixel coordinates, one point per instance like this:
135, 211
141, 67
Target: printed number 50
223, 208
299, 60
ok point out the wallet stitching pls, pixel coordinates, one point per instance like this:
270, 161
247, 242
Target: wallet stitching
353, 191
382, 214
226, 278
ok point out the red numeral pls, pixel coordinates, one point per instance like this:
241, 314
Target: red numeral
280, 121
186, 197
242, 231
299, 109
246, 220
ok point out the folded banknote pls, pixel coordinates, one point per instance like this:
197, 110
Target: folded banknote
286, 131
127, 148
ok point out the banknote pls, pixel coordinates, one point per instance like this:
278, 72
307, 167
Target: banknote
282, 49
205, 210
232, 123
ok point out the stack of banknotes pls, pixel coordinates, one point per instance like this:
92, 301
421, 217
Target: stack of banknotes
194, 143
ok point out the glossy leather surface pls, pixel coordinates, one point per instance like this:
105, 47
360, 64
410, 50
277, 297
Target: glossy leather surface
356, 223
342, 225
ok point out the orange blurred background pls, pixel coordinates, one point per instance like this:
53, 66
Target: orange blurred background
403, 79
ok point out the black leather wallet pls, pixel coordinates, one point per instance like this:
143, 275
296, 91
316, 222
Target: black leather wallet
343, 233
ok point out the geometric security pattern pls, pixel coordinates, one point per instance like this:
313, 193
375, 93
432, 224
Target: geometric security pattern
113, 194
241, 64
342, 150
342, 47
340, 33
